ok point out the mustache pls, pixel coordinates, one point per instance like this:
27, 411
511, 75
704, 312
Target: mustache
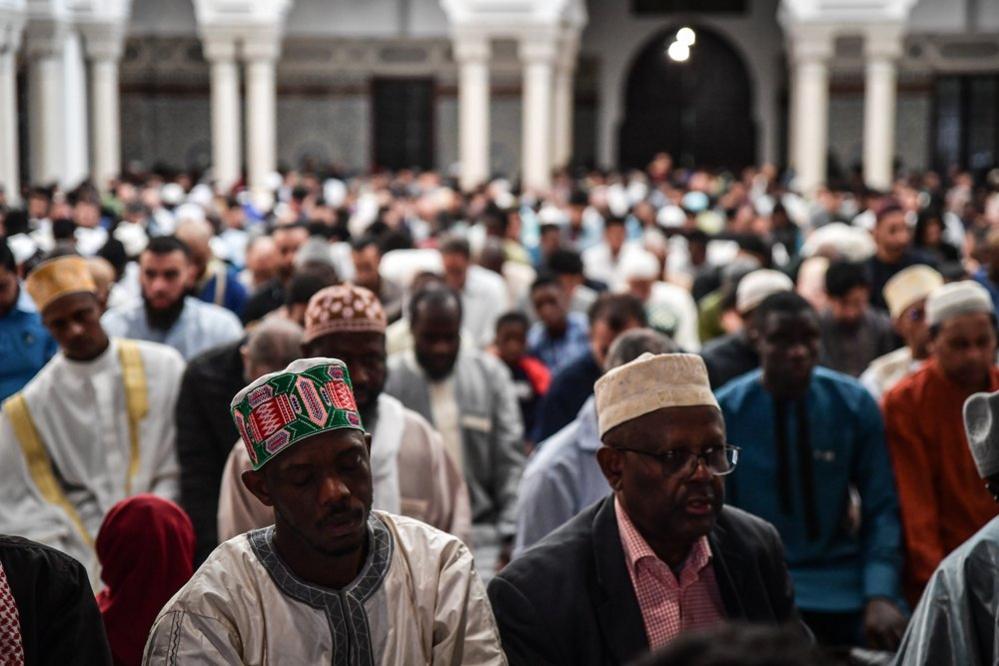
341, 515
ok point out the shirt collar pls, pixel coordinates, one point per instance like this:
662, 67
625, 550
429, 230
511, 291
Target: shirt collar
637, 549
24, 302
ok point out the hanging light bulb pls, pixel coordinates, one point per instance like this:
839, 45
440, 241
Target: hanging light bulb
678, 52
686, 36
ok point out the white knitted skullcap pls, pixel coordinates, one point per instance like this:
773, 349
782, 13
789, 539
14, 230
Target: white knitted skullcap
955, 299
756, 286
980, 412
649, 383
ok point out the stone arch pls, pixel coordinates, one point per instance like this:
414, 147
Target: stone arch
700, 110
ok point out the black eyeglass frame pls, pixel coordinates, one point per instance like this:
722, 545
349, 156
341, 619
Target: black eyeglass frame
667, 459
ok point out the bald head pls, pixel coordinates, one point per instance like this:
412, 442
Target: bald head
197, 234
631, 344
271, 346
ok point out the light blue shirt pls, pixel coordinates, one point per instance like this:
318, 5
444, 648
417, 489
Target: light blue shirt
561, 479
200, 327
25, 346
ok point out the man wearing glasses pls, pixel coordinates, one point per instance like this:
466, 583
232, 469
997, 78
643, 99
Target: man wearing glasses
906, 295
662, 554
809, 437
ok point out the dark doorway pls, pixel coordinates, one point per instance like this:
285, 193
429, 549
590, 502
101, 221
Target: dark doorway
699, 110
403, 123
966, 123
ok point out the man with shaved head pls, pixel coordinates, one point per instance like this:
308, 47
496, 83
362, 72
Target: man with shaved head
212, 280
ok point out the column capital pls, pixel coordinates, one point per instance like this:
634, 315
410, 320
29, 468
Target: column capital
568, 49
539, 46
262, 43
103, 40
219, 45
469, 46
811, 42
45, 37
884, 41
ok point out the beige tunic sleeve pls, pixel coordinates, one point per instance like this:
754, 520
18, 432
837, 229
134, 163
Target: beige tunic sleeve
181, 637
431, 486
465, 631
239, 510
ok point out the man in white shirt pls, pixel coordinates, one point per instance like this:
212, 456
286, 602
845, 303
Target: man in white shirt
483, 293
166, 314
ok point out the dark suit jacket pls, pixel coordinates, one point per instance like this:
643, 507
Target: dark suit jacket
205, 436
569, 599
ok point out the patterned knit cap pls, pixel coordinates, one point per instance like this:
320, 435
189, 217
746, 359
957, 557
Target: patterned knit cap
309, 397
343, 308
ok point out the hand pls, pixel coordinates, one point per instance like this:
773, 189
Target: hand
505, 554
884, 624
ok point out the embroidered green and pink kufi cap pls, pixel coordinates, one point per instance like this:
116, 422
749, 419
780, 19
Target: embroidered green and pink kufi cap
309, 397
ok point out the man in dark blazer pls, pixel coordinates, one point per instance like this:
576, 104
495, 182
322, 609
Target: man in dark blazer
593, 591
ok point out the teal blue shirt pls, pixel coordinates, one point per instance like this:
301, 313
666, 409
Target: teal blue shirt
25, 346
834, 569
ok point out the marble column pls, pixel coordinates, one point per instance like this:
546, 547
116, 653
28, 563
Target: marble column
220, 51
565, 74
261, 54
810, 61
472, 53
882, 48
104, 45
538, 55
10, 176
44, 42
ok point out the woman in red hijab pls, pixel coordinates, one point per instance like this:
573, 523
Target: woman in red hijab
146, 549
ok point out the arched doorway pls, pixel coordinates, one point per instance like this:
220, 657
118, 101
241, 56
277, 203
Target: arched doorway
699, 110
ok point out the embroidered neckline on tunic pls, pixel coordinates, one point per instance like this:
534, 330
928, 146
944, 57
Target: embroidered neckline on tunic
344, 609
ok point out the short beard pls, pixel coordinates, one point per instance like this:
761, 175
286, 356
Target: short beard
163, 319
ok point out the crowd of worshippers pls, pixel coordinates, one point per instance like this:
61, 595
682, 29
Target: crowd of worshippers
660, 415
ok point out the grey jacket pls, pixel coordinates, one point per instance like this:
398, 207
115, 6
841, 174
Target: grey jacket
491, 429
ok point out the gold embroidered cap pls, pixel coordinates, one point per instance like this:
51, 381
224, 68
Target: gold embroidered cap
55, 278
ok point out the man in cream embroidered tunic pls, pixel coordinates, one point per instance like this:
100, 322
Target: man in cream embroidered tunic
331, 581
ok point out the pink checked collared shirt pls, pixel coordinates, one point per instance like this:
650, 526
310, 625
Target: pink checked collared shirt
669, 606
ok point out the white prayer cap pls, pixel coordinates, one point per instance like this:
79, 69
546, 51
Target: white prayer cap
851, 243
172, 194
756, 286
910, 286
980, 412
640, 265
649, 383
955, 299
671, 217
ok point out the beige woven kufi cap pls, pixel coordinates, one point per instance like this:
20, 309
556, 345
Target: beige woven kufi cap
649, 383
910, 286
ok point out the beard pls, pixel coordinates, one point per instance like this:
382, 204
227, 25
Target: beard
162, 319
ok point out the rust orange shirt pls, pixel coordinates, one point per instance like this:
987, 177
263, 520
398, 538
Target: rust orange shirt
942, 499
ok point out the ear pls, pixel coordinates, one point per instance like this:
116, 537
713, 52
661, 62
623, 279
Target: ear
244, 353
612, 465
256, 484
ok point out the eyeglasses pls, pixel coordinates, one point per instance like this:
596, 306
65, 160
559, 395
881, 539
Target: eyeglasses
719, 460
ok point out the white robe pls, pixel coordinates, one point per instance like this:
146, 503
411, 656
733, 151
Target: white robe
417, 600
80, 414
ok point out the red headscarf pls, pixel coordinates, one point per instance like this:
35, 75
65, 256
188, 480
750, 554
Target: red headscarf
146, 550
